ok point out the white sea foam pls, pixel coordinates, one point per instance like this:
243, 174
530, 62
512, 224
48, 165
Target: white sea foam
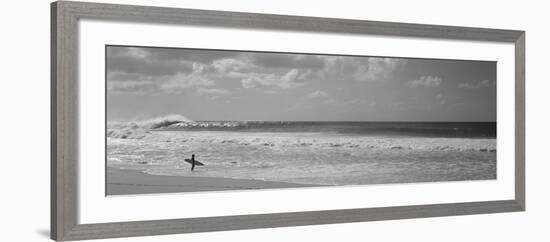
318, 140
317, 158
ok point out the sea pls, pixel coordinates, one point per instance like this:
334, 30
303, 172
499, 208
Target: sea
319, 153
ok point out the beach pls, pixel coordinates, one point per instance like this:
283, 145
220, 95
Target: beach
126, 182
256, 155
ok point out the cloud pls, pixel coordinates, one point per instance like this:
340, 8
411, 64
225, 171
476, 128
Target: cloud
141, 61
291, 79
330, 101
230, 65
182, 81
254, 80
137, 53
170, 70
117, 76
199, 68
129, 83
171, 54
130, 87
286, 61
362, 68
212, 91
376, 68
317, 94
477, 85
425, 81
132, 83
131, 52
169, 67
156, 70
293, 76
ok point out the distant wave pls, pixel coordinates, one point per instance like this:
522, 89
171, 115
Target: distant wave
140, 129
421, 129
216, 125
165, 121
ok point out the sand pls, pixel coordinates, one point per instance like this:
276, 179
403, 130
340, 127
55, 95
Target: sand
124, 182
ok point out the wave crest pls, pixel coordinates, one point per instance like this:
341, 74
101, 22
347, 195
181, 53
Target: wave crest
165, 121
141, 129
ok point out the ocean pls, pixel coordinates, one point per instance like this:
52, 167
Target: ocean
420, 129
322, 153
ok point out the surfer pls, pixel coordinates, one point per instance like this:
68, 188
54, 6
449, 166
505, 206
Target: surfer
192, 162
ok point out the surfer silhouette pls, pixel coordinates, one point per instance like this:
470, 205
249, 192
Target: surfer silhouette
192, 162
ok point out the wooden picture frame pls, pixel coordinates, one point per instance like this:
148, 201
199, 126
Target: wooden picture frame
65, 112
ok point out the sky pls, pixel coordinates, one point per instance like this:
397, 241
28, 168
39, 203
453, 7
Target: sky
144, 83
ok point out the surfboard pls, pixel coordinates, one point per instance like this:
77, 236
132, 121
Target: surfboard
197, 163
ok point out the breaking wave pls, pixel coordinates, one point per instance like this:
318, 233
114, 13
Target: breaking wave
167, 120
279, 134
418, 129
140, 129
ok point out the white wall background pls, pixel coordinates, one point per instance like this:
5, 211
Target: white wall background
24, 100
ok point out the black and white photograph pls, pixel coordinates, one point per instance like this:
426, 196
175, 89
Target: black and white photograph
321, 121
188, 120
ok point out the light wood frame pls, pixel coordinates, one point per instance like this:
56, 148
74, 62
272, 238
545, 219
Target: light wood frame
64, 118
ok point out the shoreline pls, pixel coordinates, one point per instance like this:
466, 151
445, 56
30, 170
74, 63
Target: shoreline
129, 182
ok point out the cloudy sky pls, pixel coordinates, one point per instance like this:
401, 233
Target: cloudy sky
145, 83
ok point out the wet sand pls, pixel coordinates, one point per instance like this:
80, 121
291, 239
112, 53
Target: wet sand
124, 182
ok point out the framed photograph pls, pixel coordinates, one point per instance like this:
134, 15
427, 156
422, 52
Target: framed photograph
169, 120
